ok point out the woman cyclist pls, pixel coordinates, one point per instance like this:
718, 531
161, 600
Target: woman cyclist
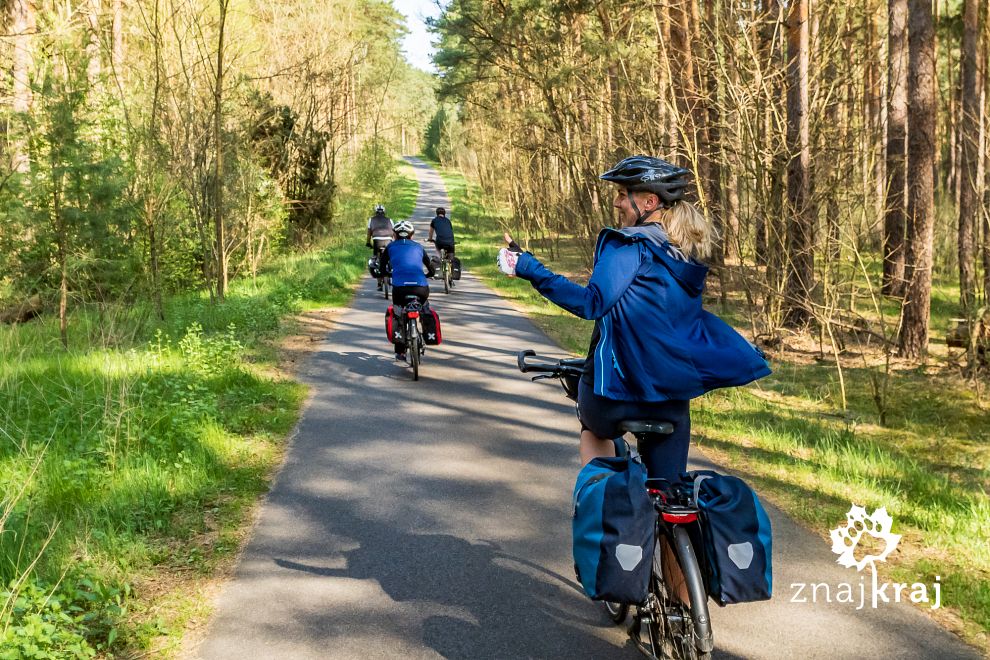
653, 347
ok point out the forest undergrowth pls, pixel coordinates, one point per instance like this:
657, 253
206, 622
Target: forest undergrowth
135, 456
811, 441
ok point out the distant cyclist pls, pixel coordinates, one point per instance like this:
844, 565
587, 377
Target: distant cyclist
441, 232
407, 258
653, 347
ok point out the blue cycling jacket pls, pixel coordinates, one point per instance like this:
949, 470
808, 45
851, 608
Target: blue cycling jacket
656, 342
407, 259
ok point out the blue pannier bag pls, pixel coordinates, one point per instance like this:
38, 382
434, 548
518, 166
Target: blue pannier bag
614, 527
736, 537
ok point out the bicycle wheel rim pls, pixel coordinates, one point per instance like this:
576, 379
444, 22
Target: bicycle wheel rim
616, 611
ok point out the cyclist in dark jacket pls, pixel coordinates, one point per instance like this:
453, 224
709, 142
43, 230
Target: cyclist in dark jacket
653, 347
441, 232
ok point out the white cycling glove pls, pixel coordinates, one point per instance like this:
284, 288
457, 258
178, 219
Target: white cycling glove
508, 257
506, 260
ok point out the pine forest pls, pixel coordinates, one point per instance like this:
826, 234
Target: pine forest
180, 180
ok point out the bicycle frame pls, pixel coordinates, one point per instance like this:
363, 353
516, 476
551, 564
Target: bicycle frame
446, 270
663, 614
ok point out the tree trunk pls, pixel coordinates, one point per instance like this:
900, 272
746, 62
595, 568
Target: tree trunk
117, 37
218, 219
921, 185
878, 117
985, 142
95, 65
611, 90
682, 74
713, 141
62, 248
23, 27
894, 219
969, 133
800, 232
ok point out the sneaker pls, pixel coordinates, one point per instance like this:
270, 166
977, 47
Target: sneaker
400, 357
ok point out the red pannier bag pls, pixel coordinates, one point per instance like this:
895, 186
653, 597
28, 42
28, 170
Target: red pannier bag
393, 325
431, 326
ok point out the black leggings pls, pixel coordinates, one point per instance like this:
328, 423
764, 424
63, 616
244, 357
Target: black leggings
402, 294
665, 458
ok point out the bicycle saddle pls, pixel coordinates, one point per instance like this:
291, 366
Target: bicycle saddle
637, 427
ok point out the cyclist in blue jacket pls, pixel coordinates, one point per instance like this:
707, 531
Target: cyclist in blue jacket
407, 259
653, 347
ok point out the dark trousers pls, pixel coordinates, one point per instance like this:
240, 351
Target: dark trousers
402, 294
664, 458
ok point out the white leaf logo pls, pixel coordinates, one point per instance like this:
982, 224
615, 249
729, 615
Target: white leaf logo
845, 539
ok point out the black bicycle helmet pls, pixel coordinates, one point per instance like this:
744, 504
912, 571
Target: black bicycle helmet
648, 174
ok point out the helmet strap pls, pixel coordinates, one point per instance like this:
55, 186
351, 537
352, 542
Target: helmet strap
640, 216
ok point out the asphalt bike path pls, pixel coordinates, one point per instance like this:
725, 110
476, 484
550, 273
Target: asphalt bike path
432, 519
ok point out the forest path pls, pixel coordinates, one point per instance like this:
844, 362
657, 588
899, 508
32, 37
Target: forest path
432, 519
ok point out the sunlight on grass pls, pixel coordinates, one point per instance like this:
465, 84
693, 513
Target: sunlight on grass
146, 434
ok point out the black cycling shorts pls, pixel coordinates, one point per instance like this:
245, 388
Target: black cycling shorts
665, 458
402, 294
449, 247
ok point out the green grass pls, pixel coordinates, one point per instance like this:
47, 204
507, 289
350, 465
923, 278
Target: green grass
404, 192
132, 459
479, 228
789, 436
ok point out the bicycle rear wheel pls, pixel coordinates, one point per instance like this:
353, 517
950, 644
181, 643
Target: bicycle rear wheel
412, 349
667, 627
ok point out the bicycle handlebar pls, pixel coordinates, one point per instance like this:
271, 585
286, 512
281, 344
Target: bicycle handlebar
548, 365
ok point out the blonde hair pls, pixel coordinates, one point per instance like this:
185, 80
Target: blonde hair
688, 229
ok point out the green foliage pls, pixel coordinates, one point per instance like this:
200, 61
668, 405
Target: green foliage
374, 168
120, 184
292, 153
75, 618
71, 206
443, 136
131, 455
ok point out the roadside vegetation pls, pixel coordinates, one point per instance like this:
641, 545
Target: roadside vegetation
132, 460
809, 436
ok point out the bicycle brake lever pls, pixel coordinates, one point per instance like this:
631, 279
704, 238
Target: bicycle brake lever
541, 377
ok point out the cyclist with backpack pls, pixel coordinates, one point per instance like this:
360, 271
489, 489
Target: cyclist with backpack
407, 259
380, 233
441, 233
653, 347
